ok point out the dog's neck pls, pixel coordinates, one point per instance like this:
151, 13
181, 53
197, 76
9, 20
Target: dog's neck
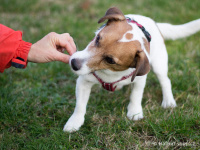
110, 85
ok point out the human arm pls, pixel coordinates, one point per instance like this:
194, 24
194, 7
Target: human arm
16, 52
13, 50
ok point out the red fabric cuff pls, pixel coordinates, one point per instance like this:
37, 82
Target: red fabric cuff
20, 58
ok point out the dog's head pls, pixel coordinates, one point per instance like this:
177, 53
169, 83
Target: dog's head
117, 46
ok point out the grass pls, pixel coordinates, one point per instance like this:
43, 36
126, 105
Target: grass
35, 103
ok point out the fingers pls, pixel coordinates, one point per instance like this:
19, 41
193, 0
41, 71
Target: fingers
65, 41
69, 48
62, 57
60, 43
71, 41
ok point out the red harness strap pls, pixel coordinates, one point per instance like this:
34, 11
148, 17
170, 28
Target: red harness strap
110, 86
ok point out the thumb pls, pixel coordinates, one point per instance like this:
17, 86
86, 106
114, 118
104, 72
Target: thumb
62, 57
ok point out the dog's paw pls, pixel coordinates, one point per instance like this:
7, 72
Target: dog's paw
73, 124
135, 114
168, 103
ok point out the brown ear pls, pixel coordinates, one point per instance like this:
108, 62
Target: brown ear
141, 63
113, 13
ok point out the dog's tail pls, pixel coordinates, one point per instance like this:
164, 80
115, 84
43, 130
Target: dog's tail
173, 32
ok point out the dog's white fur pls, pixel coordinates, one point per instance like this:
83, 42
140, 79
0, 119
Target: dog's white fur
158, 59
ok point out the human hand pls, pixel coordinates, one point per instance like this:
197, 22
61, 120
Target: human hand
51, 48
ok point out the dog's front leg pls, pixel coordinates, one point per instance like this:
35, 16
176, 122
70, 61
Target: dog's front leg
135, 107
83, 89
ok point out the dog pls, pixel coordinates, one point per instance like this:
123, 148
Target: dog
122, 52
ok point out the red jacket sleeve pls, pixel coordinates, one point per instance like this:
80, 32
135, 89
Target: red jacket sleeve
13, 50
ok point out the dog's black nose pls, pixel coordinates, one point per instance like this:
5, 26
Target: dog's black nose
76, 64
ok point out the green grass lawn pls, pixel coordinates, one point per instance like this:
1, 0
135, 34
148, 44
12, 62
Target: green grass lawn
36, 102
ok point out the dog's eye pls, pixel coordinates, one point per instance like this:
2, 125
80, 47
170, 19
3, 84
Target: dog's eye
97, 40
109, 60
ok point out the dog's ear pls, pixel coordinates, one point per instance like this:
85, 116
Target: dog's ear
141, 63
113, 14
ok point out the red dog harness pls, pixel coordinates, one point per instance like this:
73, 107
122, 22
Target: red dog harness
110, 86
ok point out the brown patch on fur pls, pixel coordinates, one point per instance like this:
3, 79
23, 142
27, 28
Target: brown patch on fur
129, 36
113, 14
109, 45
124, 54
146, 45
142, 65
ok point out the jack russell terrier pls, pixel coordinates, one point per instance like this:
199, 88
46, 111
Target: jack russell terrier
121, 53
